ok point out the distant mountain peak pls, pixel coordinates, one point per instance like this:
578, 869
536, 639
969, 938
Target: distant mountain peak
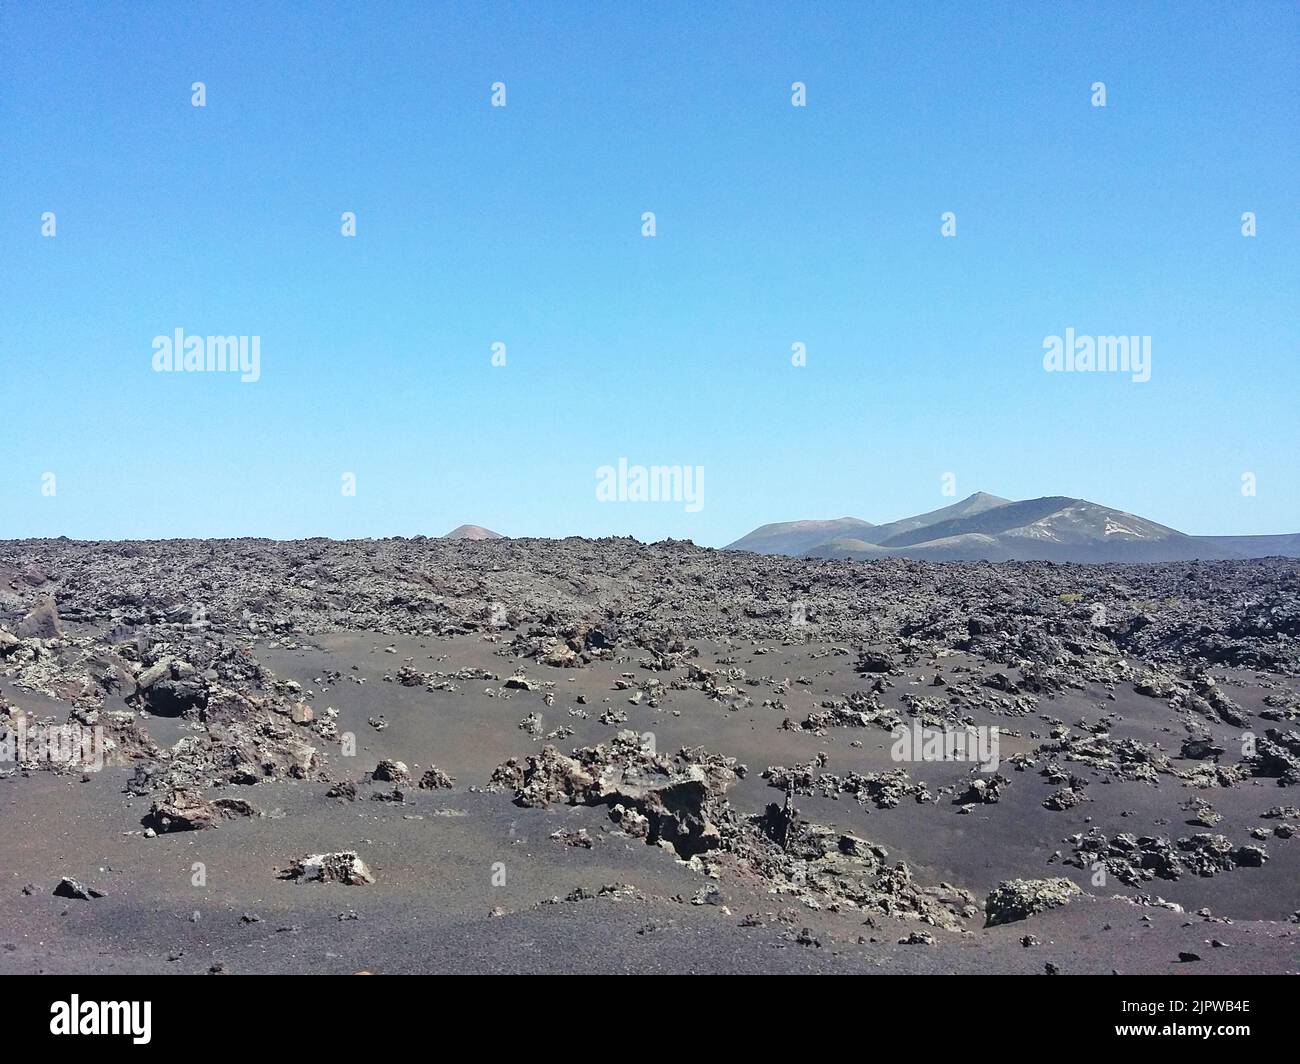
983, 526
795, 537
472, 532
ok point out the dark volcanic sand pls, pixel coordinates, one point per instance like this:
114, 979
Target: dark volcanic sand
365, 610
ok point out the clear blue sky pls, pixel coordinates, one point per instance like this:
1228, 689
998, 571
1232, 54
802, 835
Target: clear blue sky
522, 224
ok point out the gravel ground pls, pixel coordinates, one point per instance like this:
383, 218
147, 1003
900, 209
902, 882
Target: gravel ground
604, 756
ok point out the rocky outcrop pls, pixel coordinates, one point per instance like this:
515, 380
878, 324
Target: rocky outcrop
1017, 899
681, 800
42, 622
344, 867
182, 810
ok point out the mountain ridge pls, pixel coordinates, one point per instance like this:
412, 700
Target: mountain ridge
984, 527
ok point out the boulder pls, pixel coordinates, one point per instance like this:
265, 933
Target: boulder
185, 810
42, 623
342, 867
681, 801
390, 771
435, 779
70, 888
1017, 899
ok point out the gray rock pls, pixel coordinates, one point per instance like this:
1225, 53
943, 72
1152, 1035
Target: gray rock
70, 888
342, 867
42, 623
1017, 899
390, 771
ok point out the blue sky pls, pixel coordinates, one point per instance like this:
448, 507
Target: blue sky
522, 224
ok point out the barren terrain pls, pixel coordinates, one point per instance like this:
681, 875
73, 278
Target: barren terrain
528, 755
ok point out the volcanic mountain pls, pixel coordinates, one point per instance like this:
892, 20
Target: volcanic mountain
472, 532
798, 537
985, 527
